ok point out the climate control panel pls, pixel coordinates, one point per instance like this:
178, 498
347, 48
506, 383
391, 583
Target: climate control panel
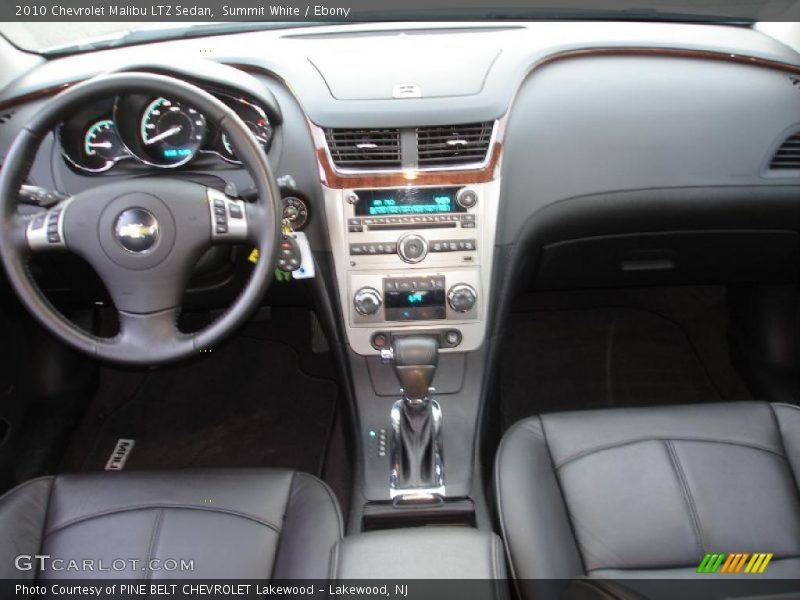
414, 259
418, 298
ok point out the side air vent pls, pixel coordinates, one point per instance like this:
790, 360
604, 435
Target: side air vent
788, 155
453, 144
364, 148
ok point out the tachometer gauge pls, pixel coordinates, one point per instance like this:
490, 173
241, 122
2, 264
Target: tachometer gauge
262, 131
171, 134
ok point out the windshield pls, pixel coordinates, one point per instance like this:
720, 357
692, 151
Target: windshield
58, 38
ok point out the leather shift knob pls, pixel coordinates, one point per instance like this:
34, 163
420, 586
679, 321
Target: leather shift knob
415, 359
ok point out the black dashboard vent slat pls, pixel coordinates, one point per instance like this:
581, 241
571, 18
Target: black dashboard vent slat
788, 155
445, 145
5, 117
364, 148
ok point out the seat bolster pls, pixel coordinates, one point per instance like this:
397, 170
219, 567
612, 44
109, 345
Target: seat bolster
531, 507
312, 526
23, 512
788, 417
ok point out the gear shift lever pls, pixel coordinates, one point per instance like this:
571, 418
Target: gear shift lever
417, 461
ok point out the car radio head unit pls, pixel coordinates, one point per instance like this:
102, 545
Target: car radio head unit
408, 201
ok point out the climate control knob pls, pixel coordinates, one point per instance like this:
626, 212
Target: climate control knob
412, 248
462, 297
367, 301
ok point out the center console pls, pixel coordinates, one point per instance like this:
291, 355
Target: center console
412, 250
453, 553
413, 259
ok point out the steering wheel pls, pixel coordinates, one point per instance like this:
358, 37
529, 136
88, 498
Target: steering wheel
142, 236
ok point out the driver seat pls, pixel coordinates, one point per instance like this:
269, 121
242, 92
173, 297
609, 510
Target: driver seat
233, 524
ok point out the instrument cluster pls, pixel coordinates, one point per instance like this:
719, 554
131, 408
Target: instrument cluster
155, 131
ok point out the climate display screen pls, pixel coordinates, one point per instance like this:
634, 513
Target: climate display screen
415, 305
407, 201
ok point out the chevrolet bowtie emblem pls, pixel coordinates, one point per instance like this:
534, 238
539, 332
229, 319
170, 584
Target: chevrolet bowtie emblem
137, 230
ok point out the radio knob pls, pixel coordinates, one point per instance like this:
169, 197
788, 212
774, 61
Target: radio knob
467, 198
367, 301
412, 248
352, 198
462, 297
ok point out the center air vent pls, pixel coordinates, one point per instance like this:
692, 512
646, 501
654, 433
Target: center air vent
364, 148
453, 144
788, 155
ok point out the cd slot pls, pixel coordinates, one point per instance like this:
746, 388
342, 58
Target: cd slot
396, 226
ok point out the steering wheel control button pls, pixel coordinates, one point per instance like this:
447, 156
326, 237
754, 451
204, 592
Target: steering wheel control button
412, 248
462, 297
467, 198
137, 230
46, 230
367, 301
228, 220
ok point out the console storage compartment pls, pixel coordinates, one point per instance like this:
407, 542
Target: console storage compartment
424, 553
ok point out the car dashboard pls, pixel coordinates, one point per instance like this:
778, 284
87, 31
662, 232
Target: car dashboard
430, 169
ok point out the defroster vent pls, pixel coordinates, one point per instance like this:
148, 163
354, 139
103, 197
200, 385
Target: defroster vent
788, 155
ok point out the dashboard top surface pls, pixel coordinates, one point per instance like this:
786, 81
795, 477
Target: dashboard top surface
339, 84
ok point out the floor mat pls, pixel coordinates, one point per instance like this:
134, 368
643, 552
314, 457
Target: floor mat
247, 405
649, 349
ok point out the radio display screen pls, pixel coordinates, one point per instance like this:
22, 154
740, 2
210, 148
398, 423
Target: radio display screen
407, 201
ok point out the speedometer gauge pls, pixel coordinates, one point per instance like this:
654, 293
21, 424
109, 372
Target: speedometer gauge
171, 134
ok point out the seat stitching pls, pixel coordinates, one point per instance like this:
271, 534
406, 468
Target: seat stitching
26, 484
786, 404
333, 561
43, 535
287, 507
112, 511
153, 540
687, 493
498, 500
563, 496
334, 501
628, 442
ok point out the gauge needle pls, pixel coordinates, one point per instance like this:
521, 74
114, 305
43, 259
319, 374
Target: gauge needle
165, 134
101, 145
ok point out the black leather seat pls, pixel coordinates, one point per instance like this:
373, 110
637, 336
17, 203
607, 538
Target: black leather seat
248, 524
646, 492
